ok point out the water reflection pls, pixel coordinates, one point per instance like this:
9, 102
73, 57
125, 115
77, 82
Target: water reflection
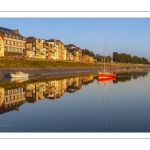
11, 98
127, 76
19, 80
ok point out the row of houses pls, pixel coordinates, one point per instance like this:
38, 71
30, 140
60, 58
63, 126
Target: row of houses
14, 45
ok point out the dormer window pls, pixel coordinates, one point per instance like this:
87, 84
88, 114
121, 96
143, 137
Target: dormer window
9, 35
13, 36
5, 34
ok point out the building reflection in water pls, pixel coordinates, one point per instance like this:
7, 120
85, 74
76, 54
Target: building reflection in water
12, 98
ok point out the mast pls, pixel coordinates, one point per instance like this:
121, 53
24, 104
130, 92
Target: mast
105, 47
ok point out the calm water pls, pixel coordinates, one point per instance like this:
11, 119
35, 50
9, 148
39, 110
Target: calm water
79, 104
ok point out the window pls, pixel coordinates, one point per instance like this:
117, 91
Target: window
10, 92
6, 99
6, 48
20, 50
8, 42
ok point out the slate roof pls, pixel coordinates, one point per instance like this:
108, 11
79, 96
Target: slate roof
30, 39
11, 32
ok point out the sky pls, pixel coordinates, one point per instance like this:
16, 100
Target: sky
125, 35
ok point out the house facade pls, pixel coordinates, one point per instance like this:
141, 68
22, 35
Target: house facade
52, 49
74, 53
12, 43
35, 48
30, 47
87, 58
40, 51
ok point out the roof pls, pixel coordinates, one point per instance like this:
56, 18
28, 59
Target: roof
71, 45
30, 39
12, 33
50, 40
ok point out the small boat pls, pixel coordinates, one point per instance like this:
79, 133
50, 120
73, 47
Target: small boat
18, 74
106, 79
104, 73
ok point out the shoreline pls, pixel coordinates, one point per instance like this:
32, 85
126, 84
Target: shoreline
43, 72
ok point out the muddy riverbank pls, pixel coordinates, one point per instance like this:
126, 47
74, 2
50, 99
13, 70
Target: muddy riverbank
41, 72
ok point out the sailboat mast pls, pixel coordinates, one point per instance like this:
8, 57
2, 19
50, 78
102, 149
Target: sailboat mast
105, 48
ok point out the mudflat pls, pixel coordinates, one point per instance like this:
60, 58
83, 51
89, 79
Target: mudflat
41, 72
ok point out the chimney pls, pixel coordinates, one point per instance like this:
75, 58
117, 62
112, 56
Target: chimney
16, 31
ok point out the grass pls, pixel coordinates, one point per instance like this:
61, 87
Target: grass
43, 63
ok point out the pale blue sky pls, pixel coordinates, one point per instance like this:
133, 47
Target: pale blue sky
128, 35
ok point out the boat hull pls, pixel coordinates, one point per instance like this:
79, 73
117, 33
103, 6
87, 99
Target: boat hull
19, 76
106, 75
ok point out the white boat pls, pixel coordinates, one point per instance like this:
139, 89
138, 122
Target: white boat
18, 74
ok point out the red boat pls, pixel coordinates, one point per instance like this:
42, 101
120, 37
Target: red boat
106, 75
106, 79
